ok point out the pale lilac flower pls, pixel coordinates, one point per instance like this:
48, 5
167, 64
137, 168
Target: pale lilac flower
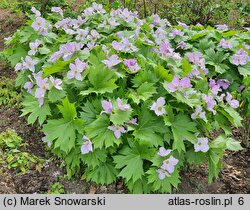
45, 140
118, 130
158, 106
169, 164
93, 36
156, 19
19, 66
56, 83
86, 146
44, 31
176, 32
164, 152
225, 44
28, 86
41, 91
162, 173
246, 46
181, 45
221, 27
211, 103
201, 145
133, 121
184, 25
54, 57
165, 48
214, 87
70, 31
57, 10
107, 106
112, 22
34, 47
78, 22
122, 106
194, 57
69, 49
81, 34
232, 102
35, 11
124, 45
38, 24
174, 85
224, 83
185, 83
112, 61
29, 63
91, 45
239, 60
76, 69
199, 113
132, 65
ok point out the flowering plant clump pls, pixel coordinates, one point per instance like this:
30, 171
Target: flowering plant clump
119, 96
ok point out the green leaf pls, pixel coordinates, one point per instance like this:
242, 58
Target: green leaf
233, 145
16, 55
162, 73
141, 186
245, 70
195, 157
131, 163
68, 110
63, 132
119, 117
44, 50
197, 36
95, 158
232, 116
101, 79
55, 95
103, 174
186, 66
91, 110
229, 33
144, 92
165, 185
183, 129
150, 128
35, 112
58, 66
99, 133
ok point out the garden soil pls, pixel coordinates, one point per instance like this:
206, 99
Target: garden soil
234, 177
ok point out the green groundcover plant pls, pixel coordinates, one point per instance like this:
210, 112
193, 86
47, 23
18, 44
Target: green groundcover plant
118, 96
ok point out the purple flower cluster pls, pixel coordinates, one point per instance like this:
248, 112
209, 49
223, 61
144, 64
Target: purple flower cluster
94, 9
166, 50
57, 10
27, 64
240, 58
178, 84
168, 165
66, 51
232, 102
196, 59
223, 27
124, 45
40, 25
124, 14
210, 102
176, 32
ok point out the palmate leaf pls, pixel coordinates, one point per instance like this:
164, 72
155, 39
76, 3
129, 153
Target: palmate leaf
95, 158
245, 70
165, 185
141, 186
55, 95
35, 112
91, 110
232, 116
183, 129
58, 66
131, 163
99, 133
150, 128
119, 117
101, 79
144, 92
103, 174
63, 131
